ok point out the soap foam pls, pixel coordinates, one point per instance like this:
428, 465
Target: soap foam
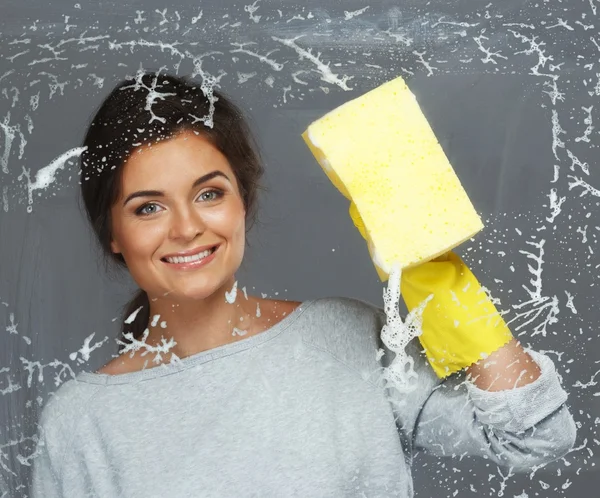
231, 295
378, 259
396, 334
322, 161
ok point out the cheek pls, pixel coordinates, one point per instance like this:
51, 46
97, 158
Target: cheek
240, 222
229, 221
242, 228
137, 240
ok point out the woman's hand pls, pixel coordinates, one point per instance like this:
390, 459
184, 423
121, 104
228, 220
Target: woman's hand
461, 324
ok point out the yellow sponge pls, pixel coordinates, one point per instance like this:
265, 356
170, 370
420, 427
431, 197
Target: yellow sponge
381, 154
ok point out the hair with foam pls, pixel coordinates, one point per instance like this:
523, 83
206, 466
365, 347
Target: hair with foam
147, 109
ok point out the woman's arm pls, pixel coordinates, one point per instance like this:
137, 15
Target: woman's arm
44, 482
508, 367
506, 404
520, 427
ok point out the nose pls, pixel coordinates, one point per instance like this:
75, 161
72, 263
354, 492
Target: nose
186, 224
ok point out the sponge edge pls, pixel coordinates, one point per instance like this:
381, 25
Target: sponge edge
381, 153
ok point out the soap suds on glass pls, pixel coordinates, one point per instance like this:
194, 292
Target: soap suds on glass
541, 263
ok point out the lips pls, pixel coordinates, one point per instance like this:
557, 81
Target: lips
191, 252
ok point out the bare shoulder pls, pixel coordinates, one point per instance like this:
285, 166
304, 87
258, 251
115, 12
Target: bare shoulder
109, 368
121, 364
278, 308
272, 311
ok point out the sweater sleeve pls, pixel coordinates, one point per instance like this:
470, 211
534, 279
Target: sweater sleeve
519, 428
57, 427
44, 482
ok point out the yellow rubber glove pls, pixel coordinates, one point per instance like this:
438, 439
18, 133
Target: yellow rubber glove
460, 324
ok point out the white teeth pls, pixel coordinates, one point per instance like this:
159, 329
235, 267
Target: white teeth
190, 259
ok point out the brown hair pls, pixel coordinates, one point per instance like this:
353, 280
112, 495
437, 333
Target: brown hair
149, 108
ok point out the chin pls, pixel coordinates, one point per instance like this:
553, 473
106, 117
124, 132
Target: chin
196, 292
199, 287
192, 294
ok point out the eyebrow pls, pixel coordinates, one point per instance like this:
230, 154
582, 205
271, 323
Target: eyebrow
159, 193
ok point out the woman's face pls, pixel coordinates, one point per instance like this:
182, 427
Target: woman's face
177, 198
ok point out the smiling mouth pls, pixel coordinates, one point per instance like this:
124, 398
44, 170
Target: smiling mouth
189, 259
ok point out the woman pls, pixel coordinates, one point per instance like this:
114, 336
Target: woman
228, 394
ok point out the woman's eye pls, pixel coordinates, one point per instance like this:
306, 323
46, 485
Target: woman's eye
147, 209
216, 194
152, 208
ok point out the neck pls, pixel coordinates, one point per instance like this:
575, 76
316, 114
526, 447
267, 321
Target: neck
195, 326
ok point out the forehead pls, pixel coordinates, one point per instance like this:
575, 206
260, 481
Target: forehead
183, 156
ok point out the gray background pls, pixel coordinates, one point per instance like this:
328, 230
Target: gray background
511, 89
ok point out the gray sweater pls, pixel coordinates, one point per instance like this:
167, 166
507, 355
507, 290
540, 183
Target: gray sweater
298, 410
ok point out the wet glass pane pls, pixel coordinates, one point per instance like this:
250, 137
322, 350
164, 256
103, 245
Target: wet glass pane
314, 248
